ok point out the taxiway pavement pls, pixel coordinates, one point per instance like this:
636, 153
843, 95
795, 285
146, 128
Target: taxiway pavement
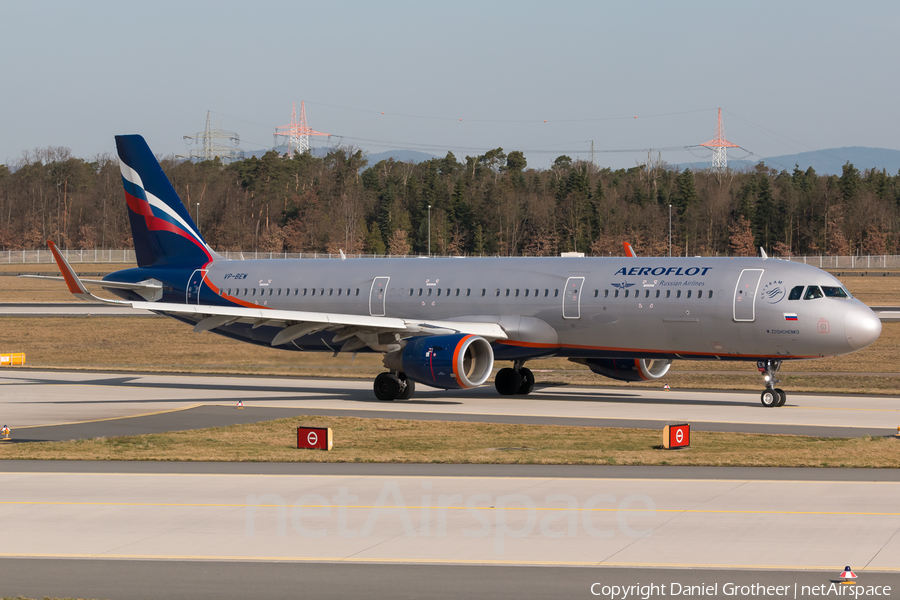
33, 398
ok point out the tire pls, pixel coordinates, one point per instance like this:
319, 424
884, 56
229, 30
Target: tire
410, 388
782, 397
507, 382
387, 387
527, 382
769, 398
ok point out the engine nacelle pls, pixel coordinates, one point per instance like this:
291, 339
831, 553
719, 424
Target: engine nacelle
628, 369
444, 361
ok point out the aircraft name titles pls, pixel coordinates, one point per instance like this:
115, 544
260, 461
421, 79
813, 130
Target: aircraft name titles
638, 271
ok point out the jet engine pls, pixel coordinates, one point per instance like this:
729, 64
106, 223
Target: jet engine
628, 369
444, 361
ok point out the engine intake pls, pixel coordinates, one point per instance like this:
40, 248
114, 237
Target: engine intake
444, 361
628, 369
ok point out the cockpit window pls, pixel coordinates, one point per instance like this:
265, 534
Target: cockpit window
812, 292
796, 293
834, 292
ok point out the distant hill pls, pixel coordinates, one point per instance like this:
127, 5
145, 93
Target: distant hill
825, 162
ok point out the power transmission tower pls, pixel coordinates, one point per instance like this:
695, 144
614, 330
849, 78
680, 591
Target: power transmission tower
214, 143
298, 132
718, 145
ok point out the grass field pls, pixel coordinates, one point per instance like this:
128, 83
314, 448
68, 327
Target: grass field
404, 441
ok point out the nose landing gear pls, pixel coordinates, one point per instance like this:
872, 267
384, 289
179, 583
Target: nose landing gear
771, 396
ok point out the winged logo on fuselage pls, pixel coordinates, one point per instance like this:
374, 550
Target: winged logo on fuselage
623, 285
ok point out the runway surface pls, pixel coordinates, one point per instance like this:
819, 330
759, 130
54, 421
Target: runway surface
241, 530
30, 400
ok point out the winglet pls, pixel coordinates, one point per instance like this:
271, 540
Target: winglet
762, 252
629, 251
75, 286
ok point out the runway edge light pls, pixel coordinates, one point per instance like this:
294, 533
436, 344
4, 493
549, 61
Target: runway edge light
677, 436
847, 576
315, 438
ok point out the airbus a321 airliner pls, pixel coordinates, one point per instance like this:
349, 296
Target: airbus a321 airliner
443, 322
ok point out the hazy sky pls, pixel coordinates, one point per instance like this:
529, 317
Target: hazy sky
789, 76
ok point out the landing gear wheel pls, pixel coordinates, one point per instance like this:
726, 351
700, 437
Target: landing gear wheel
782, 397
507, 382
387, 387
769, 398
409, 387
527, 382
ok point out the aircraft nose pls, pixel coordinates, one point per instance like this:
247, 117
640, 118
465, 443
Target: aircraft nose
862, 327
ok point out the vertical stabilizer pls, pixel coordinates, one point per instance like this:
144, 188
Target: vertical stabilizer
164, 233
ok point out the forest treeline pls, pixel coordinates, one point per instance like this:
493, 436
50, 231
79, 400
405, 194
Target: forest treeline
491, 204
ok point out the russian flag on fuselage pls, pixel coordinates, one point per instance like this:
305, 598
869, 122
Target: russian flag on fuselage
163, 231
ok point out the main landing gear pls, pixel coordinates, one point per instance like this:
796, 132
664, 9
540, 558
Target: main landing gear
771, 396
394, 386
515, 381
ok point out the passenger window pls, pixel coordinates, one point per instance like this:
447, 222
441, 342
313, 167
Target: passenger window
526, 292
556, 293
254, 292
330, 291
678, 294
357, 292
596, 293
498, 292
296, 291
348, 291
617, 294
646, 293
796, 293
668, 293
606, 293
507, 292
537, 293
429, 291
517, 293
689, 294
339, 291
468, 291
304, 291
812, 292
439, 291
448, 292
321, 291
626, 293
420, 291
271, 290
410, 291
710, 294
657, 293
457, 291
546, 293
483, 291
834, 292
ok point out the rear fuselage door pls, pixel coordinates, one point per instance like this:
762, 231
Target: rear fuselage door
745, 295
192, 296
572, 298
377, 296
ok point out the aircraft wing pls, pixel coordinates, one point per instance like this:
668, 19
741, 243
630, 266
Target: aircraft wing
382, 334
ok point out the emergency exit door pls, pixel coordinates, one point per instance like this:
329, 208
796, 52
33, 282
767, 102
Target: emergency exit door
377, 296
572, 298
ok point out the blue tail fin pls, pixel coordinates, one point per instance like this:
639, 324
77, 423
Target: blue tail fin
164, 233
